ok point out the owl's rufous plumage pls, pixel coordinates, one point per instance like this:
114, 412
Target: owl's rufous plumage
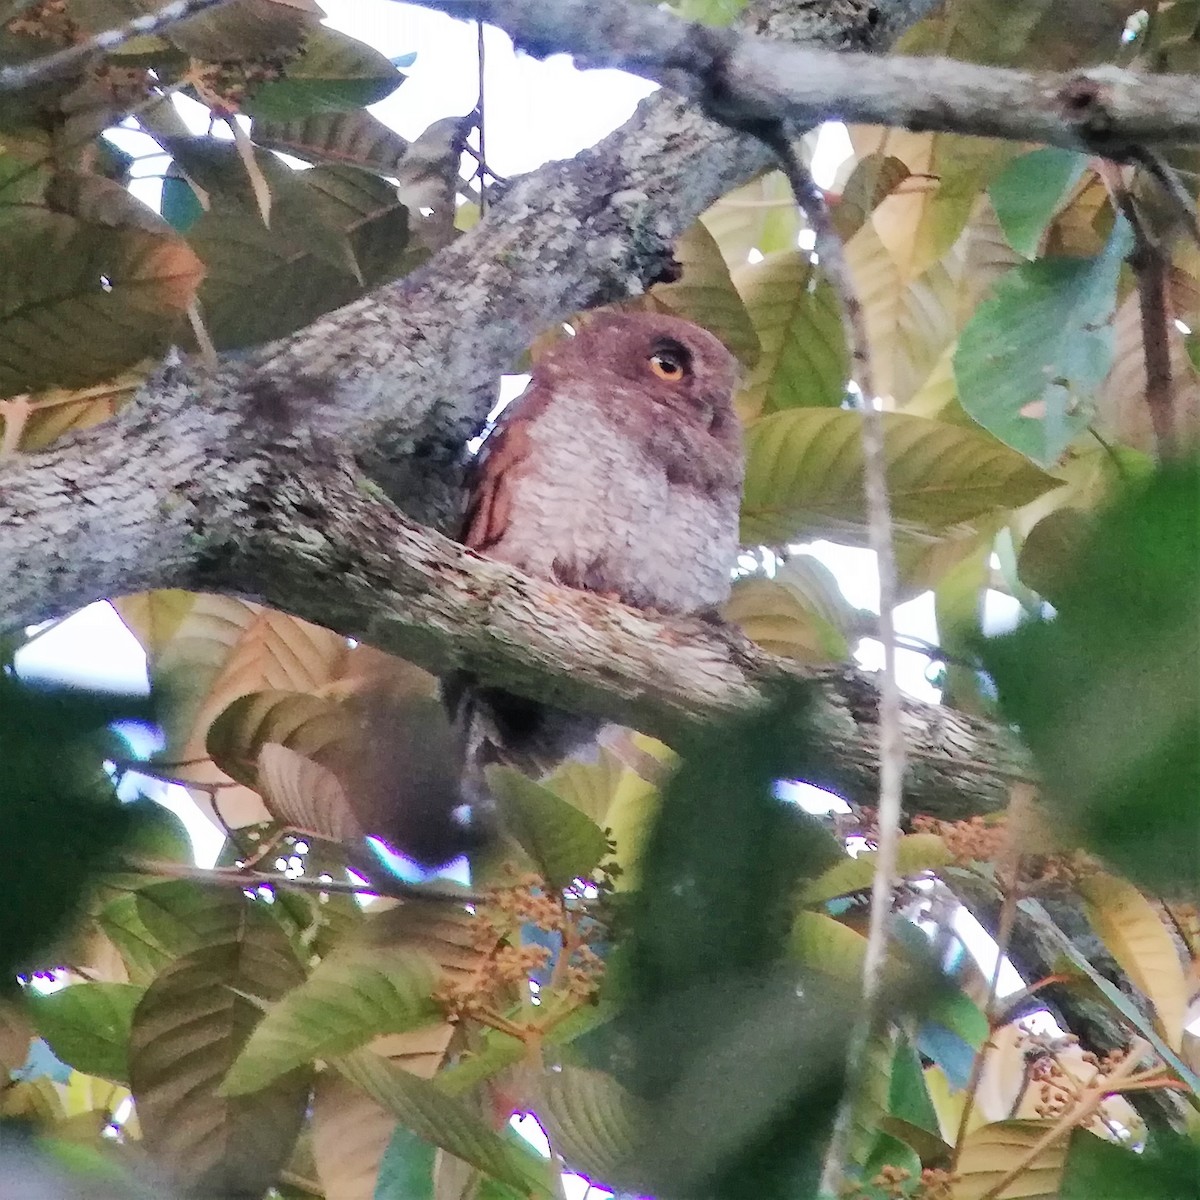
619, 471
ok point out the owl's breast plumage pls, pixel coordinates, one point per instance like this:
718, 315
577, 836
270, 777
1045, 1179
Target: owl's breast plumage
590, 505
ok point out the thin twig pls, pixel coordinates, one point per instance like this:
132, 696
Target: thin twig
1074, 1116
395, 889
13, 79
481, 170
1019, 803
1167, 178
831, 256
1150, 272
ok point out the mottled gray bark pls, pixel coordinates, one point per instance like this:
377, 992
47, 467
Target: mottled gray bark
245, 480
1103, 110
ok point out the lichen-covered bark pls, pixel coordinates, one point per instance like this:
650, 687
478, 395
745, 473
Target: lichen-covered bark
245, 480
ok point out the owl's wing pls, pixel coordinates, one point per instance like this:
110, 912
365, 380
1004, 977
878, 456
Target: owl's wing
490, 482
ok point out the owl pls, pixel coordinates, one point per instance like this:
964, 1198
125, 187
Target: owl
618, 471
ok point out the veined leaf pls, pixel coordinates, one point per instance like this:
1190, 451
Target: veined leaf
804, 361
563, 843
990, 1152
800, 613
760, 215
333, 73
80, 302
1134, 933
187, 1030
350, 998
705, 293
804, 475
1030, 361
87, 1025
1030, 190
921, 220
445, 1121
590, 1119
874, 177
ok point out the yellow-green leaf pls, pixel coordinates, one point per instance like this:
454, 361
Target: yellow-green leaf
915, 853
705, 293
1132, 930
804, 361
351, 997
799, 614
804, 475
991, 1151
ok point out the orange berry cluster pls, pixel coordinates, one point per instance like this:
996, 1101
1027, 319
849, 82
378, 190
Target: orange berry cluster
47, 19
893, 1182
981, 840
225, 85
508, 963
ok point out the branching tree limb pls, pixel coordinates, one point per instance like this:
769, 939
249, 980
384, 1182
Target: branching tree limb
244, 480
1105, 110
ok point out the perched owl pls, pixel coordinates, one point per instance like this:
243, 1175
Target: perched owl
619, 471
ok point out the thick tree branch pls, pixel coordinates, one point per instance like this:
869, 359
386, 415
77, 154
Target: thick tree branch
1103, 110
204, 498
366, 570
406, 375
240, 481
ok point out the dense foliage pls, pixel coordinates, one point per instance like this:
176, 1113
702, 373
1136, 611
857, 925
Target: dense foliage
694, 944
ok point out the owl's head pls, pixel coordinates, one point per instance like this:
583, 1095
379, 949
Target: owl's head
669, 361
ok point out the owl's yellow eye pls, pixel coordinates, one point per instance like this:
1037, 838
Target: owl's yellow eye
667, 366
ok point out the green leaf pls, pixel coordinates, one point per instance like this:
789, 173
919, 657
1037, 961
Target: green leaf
119, 921
357, 139
1107, 695
182, 915
874, 177
824, 944
334, 73
1049, 548
181, 207
915, 853
60, 819
705, 293
563, 843
804, 362
724, 855
1168, 1167
759, 215
717, 1025
445, 1121
350, 998
800, 613
1030, 190
189, 1027
406, 1171
1030, 360
908, 1097
590, 1120
79, 302
889, 1151
87, 1025
804, 475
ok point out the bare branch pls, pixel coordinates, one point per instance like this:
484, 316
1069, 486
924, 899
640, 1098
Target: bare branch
1103, 110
